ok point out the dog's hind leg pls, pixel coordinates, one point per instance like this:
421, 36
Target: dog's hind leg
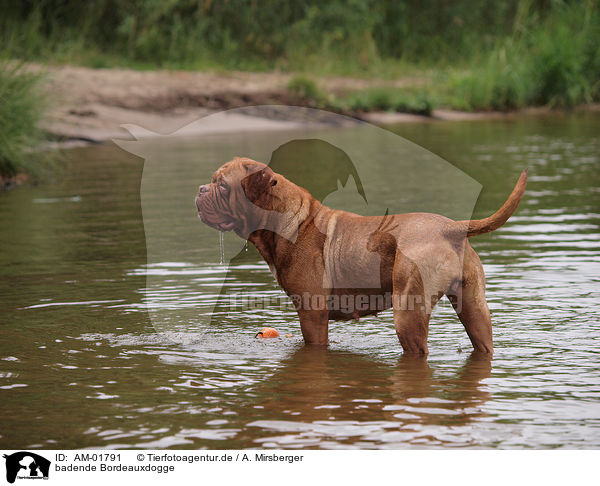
411, 309
468, 299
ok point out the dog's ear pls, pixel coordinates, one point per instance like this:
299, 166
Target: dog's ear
257, 186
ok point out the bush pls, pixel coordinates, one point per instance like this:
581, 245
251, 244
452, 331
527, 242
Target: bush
554, 62
20, 111
304, 88
497, 83
388, 99
559, 58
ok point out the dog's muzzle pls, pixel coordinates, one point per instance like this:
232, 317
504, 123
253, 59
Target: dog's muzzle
207, 214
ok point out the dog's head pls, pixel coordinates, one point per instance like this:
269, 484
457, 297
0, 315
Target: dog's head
241, 197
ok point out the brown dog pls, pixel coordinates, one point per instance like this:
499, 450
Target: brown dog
339, 265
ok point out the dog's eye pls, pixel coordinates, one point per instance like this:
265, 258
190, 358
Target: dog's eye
223, 187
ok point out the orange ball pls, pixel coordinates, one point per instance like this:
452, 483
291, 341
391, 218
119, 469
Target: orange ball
267, 332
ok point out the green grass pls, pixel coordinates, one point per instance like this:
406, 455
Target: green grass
21, 108
304, 88
554, 62
306, 91
389, 99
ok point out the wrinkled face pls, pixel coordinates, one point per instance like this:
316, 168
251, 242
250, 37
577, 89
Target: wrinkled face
238, 191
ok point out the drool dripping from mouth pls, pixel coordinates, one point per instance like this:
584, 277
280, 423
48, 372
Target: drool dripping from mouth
221, 248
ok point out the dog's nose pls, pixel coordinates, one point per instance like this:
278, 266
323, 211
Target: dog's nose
203, 189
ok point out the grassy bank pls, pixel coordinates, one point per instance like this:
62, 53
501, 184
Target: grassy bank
305, 90
334, 37
478, 55
485, 55
546, 61
21, 108
551, 60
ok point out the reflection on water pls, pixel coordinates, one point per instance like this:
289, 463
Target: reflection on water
82, 366
339, 399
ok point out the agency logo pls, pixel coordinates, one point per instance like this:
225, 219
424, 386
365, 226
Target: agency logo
26, 465
197, 278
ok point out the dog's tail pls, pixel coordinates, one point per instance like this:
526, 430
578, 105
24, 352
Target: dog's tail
493, 222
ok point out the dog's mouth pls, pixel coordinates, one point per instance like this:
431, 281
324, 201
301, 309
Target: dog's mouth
213, 220
224, 226
219, 225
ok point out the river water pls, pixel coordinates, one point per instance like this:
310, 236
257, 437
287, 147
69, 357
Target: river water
83, 363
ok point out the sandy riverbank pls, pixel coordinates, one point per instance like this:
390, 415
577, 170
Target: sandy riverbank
91, 104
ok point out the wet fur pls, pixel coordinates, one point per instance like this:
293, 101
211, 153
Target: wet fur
322, 252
